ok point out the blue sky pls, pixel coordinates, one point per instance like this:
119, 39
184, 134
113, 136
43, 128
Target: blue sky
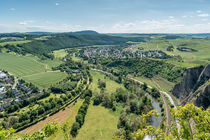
106, 16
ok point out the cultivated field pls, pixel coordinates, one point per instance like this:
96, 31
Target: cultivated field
31, 69
15, 42
60, 53
190, 58
60, 117
59, 135
45, 79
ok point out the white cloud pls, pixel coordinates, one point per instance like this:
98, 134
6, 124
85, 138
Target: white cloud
138, 26
57, 3
12, 9
23, 23
203, 15
184, 16
171, 17
26, 22
199, 11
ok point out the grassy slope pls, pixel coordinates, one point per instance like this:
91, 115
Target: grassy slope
100, 124
111, 85
31, 69
163, 84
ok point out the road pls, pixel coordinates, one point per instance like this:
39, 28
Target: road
15, 81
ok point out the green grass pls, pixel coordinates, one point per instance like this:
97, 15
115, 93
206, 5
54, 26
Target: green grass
162, 83
45, 79
100, 124
74, 58
60, 53
15, 42
111, 85
31, 69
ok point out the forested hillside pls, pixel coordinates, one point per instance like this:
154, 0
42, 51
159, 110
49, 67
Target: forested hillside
67, 40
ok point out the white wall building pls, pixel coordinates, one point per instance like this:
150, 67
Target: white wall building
2, 75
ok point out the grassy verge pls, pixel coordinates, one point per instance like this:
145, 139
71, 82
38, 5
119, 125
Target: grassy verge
100, 124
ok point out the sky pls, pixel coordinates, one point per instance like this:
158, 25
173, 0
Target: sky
105, 16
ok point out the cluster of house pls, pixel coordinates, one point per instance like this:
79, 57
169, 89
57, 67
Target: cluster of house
21, 92
116, 52
3, 78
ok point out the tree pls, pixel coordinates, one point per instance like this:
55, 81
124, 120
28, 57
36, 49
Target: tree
80, 119
144, 86
188, 117
74, 129
41, 110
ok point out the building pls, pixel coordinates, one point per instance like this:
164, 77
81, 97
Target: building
2, 89
2, 75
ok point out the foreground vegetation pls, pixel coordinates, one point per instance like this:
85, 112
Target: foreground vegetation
185, 115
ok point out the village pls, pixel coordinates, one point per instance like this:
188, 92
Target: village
12, 91
120, 52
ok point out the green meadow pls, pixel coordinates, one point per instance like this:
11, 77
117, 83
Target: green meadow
111, 85
31, 69
100, 124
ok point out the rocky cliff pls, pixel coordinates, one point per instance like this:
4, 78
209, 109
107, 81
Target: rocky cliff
203, 97
193, 78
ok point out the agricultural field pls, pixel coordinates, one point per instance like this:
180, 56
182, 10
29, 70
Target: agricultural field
157, 81
100, 124
63, 116
60, 53
45, 79
200, 56
15, 42
31, 69
59, 135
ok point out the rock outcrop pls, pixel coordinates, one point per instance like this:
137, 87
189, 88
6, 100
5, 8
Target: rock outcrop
203, 99
193, 78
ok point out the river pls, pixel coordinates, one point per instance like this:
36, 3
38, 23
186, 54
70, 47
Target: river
155, 120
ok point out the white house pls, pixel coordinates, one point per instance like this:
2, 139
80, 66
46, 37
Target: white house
2, 75
2, 89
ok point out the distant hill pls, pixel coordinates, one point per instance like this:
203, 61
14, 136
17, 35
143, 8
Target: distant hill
86, 32
68, 40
